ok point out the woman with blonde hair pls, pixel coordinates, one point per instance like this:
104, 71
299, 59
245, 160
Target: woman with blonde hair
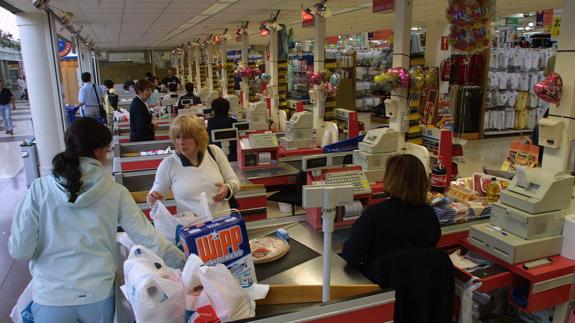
404, 221
195, 168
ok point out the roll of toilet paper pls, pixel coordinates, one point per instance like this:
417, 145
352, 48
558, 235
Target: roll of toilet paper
568, 248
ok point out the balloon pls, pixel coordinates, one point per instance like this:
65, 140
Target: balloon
416, 77
334, 79
550, 89
325, 75
403, 75
265, 77
314, 78
329, 88
379, 78
429, 78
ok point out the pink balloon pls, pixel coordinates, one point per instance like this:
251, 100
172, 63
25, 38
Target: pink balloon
403, 75
550, 89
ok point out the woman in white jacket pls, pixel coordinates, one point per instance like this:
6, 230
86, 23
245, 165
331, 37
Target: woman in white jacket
195, 168
66, 226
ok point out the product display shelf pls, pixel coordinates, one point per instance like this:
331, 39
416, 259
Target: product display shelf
299, 65
231, 68
283, 85
344, 98
370, 63
215, 77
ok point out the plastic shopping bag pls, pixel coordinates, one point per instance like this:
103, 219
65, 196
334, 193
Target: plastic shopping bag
154, 290
467, 300
169, 224
522, 152
213, 294
22, 311
121, 115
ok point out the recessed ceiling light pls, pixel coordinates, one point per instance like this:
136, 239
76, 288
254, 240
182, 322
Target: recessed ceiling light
530, 24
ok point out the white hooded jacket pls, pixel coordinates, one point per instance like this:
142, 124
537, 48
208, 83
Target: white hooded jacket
72, 246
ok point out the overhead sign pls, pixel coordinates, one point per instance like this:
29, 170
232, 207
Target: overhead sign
307, 19
512, 21
64, 47
383, 6
556, 27
547, 17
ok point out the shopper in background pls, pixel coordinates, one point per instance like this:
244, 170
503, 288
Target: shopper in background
90, 97
66, 226
189, 96
141, 122
155, 97
222, 120
128, 85
171, 78
170, 99
195, 168
7, 104
404, 221
23, 88
111, 100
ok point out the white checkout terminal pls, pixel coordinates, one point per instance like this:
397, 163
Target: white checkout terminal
527, 222
377, 145
257, 115
300, 132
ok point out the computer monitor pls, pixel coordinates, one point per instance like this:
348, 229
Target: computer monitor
186, 102
341, 160
220, 135
315, 162
242, 126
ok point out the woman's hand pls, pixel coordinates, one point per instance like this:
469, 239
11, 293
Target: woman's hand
222, 192
153, 196
155, 124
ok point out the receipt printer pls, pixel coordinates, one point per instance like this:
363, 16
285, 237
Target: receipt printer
301, 120
380, 140
550, 131
539, 190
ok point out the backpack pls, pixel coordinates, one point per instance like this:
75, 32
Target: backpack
113, 99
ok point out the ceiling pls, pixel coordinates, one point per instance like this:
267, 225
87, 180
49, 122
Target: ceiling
168, 23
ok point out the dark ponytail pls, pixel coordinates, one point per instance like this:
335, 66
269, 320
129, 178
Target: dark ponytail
82, 137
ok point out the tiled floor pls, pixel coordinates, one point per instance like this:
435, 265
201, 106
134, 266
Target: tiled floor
14, 275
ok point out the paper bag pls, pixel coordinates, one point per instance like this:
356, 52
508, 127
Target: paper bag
522, 152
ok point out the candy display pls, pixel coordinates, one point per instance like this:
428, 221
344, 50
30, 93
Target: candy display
470, 24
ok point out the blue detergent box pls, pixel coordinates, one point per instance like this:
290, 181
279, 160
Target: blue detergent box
223, 240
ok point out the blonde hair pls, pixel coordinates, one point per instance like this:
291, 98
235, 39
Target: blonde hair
189, 126
406, 179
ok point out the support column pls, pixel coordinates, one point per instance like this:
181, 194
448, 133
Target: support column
40, 54
318, 65
401, 57
559, 159
434, 55
224, 74
198, 71
177, 63
273, 66
245, 63
190, 71
210, 77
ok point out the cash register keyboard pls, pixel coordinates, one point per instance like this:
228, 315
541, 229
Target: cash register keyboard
354, 177
263, 140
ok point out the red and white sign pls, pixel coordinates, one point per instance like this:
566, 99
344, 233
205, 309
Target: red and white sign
307, 19
444, 43
384, 6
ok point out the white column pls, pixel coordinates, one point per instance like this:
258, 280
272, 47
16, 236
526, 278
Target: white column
565, 111
224, 56
434, 55
401, 55
198, 71
190, 71
210, 78
182, 67
245, 63
40, 54
177, 63
318, 65
273, 71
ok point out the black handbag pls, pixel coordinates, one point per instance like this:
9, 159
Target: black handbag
101, 111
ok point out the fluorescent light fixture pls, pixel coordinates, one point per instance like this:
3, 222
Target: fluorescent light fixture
215, 8
520, 28
344, 10
530, 24
414, 29
528, 28
197, 19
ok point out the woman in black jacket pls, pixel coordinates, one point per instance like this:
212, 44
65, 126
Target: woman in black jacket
404, 221
222, 120
141, 123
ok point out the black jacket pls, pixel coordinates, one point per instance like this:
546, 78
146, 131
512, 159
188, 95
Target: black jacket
223, 123
188, 96
141, 128
390, 226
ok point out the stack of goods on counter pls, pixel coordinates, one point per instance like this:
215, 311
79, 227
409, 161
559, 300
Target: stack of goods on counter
459, 204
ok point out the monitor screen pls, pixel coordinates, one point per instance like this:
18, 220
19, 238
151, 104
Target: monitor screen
242, 126
218, 135
318, 162
186, 101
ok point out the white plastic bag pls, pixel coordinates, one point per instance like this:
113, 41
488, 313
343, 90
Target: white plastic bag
168, 224
213, 294
121, 115
154, 290
467, 300
22, 311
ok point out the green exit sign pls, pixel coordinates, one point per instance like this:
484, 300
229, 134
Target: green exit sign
512, 21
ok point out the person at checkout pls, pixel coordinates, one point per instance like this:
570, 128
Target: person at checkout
222, 120
66, 227
170, 99
404, 221
142, 124
196, 167
189, 96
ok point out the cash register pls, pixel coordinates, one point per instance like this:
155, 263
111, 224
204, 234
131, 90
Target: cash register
527, 222
377, 145
258, 150
300, 132
257, 115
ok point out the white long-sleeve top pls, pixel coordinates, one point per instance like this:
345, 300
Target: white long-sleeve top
188, 182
